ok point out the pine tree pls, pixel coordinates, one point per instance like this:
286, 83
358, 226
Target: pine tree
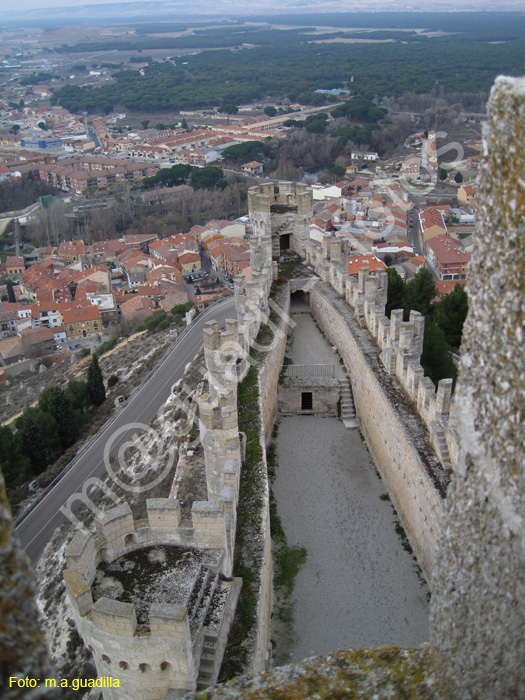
436, 359
15, 466
78, 395
54, 401
95, 382
39, 438
450, 314
419, 293
10, 292
395, 293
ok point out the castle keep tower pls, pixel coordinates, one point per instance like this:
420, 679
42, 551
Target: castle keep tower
282, 212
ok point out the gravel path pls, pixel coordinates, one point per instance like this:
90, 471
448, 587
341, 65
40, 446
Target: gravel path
309, 346
359, 587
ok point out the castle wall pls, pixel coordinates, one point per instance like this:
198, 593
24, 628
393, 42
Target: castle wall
395, 436
268, 382
259, 659
144, 665
271, 368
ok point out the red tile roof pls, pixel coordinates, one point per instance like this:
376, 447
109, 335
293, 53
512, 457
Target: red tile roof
369, 260
431, 217
445, 286
84, 313
448, 250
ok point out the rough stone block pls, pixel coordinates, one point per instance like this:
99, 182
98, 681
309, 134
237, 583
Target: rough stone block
114, 617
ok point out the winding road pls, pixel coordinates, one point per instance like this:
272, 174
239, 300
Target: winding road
37, 527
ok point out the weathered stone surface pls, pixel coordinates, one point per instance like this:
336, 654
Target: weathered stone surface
478, 611
382, 673
22, 647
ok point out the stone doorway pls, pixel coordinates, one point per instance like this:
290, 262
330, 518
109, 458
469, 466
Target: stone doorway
284, 241
307, 402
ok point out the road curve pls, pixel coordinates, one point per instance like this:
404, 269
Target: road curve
37, 528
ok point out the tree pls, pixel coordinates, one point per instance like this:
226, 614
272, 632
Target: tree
78, 395
228, 108
450, 313
436, 359
112, 380
14, 129
145, 123
184, 124
10, 292
316, 123
15, 466
442, 174
179, 310
270, 110
395, 293
338, 170
42, 125
458, 177
419, 293
95, 382
207, 177
53, 400
39, 438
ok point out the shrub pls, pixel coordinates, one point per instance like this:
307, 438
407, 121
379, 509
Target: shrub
113, 380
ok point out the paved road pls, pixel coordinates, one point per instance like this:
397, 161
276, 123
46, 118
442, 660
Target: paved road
36, 529
414, 233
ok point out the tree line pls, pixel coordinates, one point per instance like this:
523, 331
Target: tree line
18, 193
43, 432
444, 319
294, 69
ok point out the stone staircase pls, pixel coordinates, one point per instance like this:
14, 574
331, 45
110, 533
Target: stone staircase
207, 668
201, 599
216, 626
439, 442
347, 405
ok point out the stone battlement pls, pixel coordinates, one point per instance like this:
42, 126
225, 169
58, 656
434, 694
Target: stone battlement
400, 342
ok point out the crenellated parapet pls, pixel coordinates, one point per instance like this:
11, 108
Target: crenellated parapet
161, 648
222, 350
281, 210
219, 433
400, 342
251, 303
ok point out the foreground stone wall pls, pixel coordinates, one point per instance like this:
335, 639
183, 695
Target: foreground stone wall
478, 610
397, 440
22, 644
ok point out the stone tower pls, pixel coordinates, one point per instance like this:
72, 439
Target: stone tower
282, 212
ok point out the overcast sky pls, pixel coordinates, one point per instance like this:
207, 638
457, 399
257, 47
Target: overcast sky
273, 5
39, 4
